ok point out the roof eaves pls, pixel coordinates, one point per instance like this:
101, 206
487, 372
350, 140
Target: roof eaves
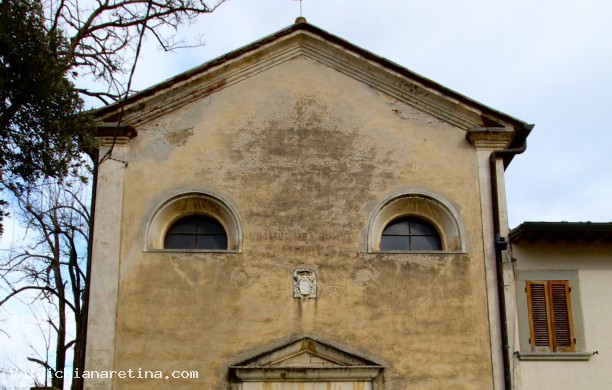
562, 231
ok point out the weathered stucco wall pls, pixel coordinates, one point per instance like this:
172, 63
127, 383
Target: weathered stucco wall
304, 154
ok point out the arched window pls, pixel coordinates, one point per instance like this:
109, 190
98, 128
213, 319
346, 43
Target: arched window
196, 232
194, 221
410, 234
413, 221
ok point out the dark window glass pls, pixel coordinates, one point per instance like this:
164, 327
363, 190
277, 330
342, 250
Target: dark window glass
394, 243
175, 241
410, 234
424, 243
212, 242
398, 228
196, 232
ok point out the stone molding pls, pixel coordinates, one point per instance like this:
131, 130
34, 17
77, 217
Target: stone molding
419, 203
306, 359
490, 137
190, 203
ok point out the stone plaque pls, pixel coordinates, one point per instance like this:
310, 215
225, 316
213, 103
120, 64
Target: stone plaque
304, 283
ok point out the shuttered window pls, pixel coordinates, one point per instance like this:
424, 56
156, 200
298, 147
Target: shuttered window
550, 316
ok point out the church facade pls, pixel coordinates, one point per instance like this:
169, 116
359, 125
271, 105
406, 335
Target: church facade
301, 214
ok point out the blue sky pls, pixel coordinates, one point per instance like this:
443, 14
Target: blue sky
544, 62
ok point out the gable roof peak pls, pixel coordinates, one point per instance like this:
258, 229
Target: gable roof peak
303, 38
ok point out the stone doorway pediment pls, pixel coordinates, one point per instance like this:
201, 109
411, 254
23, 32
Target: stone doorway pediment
306, 360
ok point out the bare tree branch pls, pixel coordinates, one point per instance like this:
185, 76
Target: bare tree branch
44, 364
101, 37
50, 266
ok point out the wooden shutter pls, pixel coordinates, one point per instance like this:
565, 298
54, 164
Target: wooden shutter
559, 293
550, 316
539, 324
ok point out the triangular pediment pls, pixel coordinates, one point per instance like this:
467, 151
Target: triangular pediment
307, 358
303, 40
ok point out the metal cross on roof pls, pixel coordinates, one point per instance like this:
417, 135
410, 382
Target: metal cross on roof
300, 6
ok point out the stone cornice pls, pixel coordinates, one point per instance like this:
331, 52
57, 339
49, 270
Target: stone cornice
490, 137
113, 141
112, 133
362, 373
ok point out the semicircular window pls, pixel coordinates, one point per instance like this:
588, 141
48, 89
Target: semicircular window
196, 232
410, 234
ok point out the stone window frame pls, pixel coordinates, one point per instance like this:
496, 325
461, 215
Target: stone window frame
526, 349
193, 203
422, 204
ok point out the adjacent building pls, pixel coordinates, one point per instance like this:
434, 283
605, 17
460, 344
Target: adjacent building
563, 296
